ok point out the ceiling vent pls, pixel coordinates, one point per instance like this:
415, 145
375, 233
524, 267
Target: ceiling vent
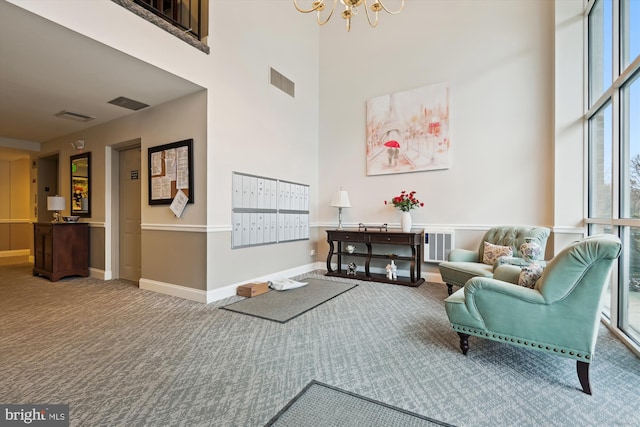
283, 83
74, 116
131, 104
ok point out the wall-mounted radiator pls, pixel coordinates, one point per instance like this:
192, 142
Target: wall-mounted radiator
437, 244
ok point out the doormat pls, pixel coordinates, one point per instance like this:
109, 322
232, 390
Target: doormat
282, 306
322, 405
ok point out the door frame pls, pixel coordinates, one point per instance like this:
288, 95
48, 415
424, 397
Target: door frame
112, 206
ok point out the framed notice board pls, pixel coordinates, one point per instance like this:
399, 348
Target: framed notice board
170, 171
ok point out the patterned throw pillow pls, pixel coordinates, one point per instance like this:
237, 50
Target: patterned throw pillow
493, 252
530, 275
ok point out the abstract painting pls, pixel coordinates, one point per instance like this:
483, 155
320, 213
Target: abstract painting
408, 131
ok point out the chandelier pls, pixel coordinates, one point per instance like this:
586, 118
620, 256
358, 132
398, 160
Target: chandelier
351, 8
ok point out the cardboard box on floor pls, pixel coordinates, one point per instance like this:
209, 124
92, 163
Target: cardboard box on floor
252, 289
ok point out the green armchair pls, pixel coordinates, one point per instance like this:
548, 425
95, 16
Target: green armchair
463, 264
560, 315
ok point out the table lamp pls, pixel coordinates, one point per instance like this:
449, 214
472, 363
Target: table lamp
340, 200
56, 204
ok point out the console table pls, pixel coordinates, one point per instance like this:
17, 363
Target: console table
373, 240
61, 249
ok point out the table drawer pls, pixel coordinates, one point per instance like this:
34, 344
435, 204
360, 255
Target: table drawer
346, 236
392, 238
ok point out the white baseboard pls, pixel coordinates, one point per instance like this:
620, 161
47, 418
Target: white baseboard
197, 295
212, 295
230, 290
227, 291
433, 277
100, 274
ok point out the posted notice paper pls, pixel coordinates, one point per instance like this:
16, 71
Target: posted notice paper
179, 203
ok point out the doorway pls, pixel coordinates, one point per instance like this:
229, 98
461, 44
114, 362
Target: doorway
47, 185
129, 217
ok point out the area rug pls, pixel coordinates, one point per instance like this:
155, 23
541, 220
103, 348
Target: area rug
282, 306
321, 405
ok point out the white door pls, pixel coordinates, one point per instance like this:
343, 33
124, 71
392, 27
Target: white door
130, 202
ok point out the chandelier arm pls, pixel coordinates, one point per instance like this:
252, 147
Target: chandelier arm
351, 8
313, 8
389, 11
366, 11
333, 8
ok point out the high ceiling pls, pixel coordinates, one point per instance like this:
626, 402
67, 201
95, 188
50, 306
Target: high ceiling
46, 68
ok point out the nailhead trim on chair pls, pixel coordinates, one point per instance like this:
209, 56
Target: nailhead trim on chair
539, 346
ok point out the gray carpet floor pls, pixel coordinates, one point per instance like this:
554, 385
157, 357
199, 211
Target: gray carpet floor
121, 356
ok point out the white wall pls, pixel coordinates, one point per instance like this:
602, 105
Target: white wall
249, 126
497, 57
254, 127
569, 172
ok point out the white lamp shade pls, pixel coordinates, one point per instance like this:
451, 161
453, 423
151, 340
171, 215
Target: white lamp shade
341, 200
56, 203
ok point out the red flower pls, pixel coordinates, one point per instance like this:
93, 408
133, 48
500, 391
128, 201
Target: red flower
406, 201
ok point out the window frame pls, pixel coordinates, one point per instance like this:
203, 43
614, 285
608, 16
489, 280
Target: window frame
617, 319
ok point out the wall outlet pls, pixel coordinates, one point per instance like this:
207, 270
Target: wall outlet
312, 252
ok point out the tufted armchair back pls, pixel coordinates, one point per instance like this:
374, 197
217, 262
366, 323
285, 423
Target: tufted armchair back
578, 273
514, 236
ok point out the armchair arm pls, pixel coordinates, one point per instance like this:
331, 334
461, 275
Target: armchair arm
490, 300
478, 287
463, 255
507, 273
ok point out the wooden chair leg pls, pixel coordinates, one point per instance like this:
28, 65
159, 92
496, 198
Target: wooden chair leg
583, 376
464, 342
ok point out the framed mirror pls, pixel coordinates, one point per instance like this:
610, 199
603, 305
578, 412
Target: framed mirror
81, 184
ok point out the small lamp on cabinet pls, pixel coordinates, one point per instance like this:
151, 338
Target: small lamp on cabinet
340, 200
56, 204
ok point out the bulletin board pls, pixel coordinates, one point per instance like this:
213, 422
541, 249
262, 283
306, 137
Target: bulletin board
170, 170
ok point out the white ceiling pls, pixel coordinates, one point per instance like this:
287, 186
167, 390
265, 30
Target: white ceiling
46, 68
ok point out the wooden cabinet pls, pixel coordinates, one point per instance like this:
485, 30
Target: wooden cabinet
371, 245
61, 249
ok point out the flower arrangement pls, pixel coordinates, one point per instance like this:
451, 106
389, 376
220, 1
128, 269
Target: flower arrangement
406, 201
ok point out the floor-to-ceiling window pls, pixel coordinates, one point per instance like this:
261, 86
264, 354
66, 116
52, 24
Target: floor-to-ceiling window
613, 117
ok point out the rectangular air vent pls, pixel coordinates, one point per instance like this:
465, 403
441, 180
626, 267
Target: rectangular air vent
283, 83
131, 104
74, 116
437, 245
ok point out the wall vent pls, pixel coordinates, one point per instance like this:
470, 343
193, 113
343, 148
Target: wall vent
131, 104
283, 83
74, 116
437, 244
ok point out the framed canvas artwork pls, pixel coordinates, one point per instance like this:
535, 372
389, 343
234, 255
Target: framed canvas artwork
408, 131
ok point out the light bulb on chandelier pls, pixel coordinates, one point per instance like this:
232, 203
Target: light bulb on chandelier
350, 9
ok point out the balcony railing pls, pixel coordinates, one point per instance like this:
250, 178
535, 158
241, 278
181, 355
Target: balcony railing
186, 15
